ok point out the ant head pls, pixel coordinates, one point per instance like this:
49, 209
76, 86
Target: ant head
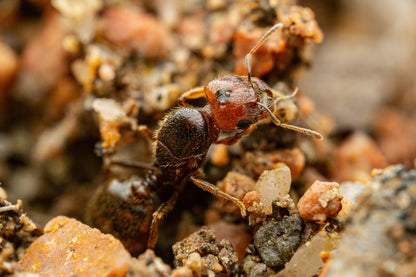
239, 102
234, 102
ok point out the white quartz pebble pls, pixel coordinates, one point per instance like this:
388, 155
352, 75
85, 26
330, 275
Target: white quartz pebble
273, 185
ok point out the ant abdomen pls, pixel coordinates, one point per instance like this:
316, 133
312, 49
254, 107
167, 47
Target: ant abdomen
124, 208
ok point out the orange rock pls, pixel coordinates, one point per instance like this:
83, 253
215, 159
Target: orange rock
250, 198
356, 157
265, 55
110, 134
192, 30
237, 185
71, 248
321, 201
219, 155
306, 106
8, 69
396, 133
346, 207
136, 30
62, 95
293, 158
43, 60
237, 234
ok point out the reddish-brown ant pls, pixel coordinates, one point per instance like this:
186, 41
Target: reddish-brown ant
131, 209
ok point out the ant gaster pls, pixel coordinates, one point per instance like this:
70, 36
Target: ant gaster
131, 209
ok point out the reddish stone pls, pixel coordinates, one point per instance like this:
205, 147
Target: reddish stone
321, 201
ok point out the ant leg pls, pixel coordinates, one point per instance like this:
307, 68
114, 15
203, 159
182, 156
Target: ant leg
233, 139
277, 122
305, 131
257, 46
218, 193
163, 209
194, 93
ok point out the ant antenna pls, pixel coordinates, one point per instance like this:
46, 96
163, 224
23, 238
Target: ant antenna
286, 96
277, 122
257, 46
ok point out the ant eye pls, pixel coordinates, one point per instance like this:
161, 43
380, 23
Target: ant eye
243, 124
223, 95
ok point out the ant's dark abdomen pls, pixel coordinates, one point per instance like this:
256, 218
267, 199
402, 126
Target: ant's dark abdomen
184, 139
124, 209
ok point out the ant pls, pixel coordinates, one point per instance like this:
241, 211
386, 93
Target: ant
131, 209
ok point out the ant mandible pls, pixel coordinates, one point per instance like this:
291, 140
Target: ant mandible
131, 209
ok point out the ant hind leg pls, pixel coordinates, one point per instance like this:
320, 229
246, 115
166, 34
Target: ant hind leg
215, 191
163, 209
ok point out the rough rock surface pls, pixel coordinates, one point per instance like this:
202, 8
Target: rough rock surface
70, 248
201, 253
379, 238
277, 241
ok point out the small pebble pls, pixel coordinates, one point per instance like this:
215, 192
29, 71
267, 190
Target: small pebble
396, 133
237, 234
250, 199
112, 116
321, 201
8, 69
356, 157
219, 155
182, 271
236, 185
202, 247
148, 264
109, 110
3, 193
137, 31
216, 4
293, 158
273, 185
107, 72
277, 241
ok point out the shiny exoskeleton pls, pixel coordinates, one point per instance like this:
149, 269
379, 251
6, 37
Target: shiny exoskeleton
131, 209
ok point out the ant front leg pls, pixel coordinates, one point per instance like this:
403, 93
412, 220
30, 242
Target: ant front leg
163, 209
218, 193
277, 122
236, 137
194, 93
